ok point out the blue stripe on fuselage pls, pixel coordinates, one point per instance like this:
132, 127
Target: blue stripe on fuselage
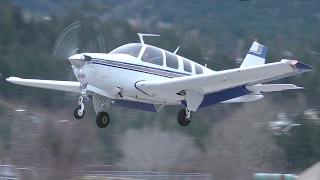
137, 67
133, 69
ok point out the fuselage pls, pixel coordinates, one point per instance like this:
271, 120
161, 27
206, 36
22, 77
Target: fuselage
131, 63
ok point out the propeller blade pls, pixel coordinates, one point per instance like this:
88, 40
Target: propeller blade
72, 42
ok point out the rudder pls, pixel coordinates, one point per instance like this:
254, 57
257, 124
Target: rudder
256, 55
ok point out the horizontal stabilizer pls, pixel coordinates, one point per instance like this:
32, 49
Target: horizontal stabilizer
68, 86
272, 87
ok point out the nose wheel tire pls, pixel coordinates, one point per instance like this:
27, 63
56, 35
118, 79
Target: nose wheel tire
78, 113
182, 118
103, 119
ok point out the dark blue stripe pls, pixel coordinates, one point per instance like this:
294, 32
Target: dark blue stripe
218, 97
185, 74
135, 105
262, 54
133, 69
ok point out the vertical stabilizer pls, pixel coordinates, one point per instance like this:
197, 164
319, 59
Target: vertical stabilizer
256, 55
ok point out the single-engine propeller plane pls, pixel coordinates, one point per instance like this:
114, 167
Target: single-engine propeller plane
139, 76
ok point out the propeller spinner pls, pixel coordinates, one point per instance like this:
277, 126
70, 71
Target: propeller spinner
79, 60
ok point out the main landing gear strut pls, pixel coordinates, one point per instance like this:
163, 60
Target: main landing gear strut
193, 100
101, 105
184, 117
102, 119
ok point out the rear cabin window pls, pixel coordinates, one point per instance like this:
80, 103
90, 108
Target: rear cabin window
152, 55
186, 65
199, 69
172, 60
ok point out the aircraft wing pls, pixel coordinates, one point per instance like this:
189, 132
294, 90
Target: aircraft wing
68, 86
223, 80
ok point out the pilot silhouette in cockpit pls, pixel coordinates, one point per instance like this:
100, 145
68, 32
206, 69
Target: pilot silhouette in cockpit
145, 56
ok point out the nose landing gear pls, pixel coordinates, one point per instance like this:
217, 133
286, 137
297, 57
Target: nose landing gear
100, 104
78, 112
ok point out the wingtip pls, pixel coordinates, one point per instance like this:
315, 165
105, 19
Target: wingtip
297, 87
303, 66
11, 79
298, 65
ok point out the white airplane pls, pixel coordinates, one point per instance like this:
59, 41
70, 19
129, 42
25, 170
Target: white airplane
139, 76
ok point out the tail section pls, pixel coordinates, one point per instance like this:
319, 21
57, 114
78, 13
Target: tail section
256, 55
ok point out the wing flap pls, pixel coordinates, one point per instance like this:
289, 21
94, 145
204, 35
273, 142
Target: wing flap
272, 87
226, 79
68, 86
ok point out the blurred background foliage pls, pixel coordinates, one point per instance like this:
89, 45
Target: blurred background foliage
219, 30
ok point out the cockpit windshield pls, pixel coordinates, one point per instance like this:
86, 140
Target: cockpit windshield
130, 49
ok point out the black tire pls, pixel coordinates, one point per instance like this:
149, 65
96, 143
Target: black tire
102, 119
182, 118
76, 112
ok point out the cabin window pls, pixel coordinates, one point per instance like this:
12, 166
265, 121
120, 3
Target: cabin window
199, 69
186, 65
130, 49
172, 60
153, 55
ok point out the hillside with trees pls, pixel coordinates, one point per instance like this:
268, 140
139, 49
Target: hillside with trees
228, 141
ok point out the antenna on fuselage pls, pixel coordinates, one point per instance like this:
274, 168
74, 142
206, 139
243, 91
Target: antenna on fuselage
207, 57
175, 52
141, 36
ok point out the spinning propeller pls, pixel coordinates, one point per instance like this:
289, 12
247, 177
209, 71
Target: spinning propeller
74, 40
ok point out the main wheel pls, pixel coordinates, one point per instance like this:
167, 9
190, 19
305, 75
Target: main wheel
77, 113
102, 119
182, 120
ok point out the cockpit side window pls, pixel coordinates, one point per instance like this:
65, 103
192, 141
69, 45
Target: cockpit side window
153, 55
130, 49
